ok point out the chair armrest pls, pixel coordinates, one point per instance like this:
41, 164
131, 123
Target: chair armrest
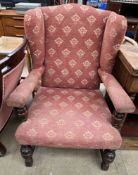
19, 97
120, 99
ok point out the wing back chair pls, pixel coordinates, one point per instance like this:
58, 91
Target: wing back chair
72, 48
11, 67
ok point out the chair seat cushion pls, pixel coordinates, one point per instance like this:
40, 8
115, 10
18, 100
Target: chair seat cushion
71, 118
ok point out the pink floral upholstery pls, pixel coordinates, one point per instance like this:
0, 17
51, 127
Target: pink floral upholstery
68, 43
20, 95
13, 77
71, 50
34, 21
119, 97
69, 118
113, 36
73, 42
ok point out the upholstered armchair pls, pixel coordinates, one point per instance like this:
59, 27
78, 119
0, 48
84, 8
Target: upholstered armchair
73, 48
11, 66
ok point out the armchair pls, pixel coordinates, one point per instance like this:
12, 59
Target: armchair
68, 45
11, 66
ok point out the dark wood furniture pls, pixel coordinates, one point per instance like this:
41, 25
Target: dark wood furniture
1, 28
126, 68
11, 24
128, 8
6, 65
84, 2
126, 72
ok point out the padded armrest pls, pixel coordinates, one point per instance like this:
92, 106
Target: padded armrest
118, 96
20, 95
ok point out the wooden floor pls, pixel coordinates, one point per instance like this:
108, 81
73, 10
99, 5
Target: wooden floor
48, 161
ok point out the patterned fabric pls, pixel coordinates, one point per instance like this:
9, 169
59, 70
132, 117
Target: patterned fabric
69, 118
118, 96
68, 40
71, 41
20, 95
113, 36
13, 77
35, 34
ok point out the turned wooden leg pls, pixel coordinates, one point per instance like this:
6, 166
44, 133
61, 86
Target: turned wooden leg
118, 120
27, 152
108, 157
21, 112
2, 150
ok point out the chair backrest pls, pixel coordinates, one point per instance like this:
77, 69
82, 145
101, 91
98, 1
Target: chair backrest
73, 41
11, 67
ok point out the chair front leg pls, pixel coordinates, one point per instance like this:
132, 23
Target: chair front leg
27, 153
21, 112
118, 120
108, 157
2, 150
